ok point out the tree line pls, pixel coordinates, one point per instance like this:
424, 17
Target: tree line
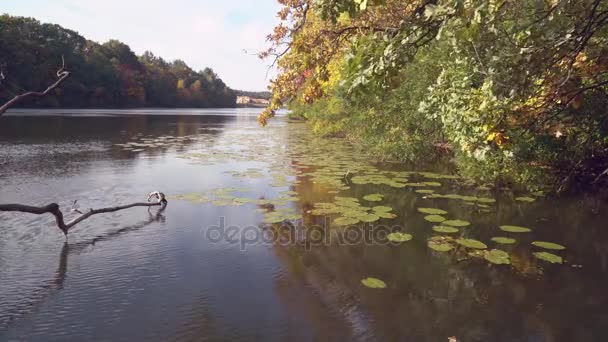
514, 91
103, 75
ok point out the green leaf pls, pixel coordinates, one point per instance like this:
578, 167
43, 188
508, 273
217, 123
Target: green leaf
444, 229
471, 243
503, 240
525, 199
346, 221
515, 229
373, 197
434, 218
456, 223
432, 211
548, 245
552, 258
399, 237
440, 246
496, 256
373, 283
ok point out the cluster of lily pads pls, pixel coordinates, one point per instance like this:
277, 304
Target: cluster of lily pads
272, 208
478, 248
337, 167
351, 212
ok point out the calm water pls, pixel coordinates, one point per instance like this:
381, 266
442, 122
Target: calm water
140, 274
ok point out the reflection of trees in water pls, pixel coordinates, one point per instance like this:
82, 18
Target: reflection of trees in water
431, 296
38, 297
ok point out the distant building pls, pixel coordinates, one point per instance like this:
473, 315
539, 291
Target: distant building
250, 101
243, 100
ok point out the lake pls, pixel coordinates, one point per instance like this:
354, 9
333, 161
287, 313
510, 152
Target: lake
271, 234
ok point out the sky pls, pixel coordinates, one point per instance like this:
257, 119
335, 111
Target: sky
221, 34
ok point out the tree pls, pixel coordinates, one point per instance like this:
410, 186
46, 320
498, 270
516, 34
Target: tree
516, 90
109, 74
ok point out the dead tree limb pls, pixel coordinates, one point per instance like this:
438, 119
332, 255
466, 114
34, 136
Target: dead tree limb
62, 74
53, 208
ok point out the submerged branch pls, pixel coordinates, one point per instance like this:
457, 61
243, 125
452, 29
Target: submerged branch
53, 208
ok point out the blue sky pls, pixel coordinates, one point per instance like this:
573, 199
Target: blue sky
221, 34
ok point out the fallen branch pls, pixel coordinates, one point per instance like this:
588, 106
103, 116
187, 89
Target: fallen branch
53, 208
62, 74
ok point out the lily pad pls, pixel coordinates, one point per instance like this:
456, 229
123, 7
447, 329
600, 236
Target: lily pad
399, 237
548, 245
456, 223
432, 211
425, 191
382, 209
373, 197
444, 229
515, 229
373, 283
496, 256
434, 218
550, 257
503, 240
369, 218
471, 243
385, 215
346, 221
440, 246
525, 199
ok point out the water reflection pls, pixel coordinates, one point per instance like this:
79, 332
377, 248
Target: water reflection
160, 278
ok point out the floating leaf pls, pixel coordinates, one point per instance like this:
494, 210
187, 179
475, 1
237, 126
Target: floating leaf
373, 197
444, 229
399, 237
382, 209
434, 218
456, 223
373, 283
471, 243
525, 199
548, 245
515, 229
369, 218
425, 191
503, 240
385, 215
496, 256
432, 211
550, 257
346, 221
440, 246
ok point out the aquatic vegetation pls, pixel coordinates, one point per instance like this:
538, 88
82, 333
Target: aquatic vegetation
503, 240
549, 257
497, 256
456, 223
471, 243
425, 191
525, 199
435, 218
373, 283
548, 245
432, 211
515, 229
399, 237
346, 221
446, 230
441, 243
373, 197
369, 218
